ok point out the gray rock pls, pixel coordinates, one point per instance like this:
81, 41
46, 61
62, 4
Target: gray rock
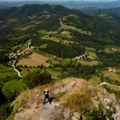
77, 115
66, 114
116, 116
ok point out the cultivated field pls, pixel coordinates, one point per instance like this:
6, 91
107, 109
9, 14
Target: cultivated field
33, 60
6, 72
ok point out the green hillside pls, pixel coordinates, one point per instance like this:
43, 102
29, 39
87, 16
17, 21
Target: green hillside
42, 44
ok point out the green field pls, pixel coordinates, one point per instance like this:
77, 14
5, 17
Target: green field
95, 80
7, 72
112, 75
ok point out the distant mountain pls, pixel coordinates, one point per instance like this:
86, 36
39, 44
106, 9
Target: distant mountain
70, 4
114, 10
90, 10
83, 4
95, 11
17, 24
67, 44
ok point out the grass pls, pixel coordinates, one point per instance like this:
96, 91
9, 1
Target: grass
43, 46
114, 87
17, 84
91, 63
71, 15
43, 32
92, 55
68, 27
90, 49
95, 80
66, 34
5, 71
112, 75
27, 27
18, 37
79, 99
25, 45
25, 71
112, 50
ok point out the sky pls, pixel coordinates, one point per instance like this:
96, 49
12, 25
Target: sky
61, 0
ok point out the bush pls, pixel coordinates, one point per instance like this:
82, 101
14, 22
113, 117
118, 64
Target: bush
12, 89
36, 78
95, 113
5, 111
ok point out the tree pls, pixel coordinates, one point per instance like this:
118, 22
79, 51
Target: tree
39, 77
12, 89
5, 111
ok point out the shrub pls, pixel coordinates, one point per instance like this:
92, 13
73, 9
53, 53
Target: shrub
12, 89
5, 111
95, 113
39, 77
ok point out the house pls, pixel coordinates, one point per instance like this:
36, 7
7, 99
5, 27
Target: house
84, 56
110, 69
25, 52
12, 55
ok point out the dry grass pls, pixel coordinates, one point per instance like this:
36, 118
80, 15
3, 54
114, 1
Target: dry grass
79, 98
34, 60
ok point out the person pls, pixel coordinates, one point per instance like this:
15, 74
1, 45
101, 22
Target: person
46, 96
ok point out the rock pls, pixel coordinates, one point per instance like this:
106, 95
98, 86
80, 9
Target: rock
77, 115
116, 116
66, 114
67, 87
33, 109
74, 118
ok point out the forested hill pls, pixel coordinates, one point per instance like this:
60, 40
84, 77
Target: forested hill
30, 10
18, 24
45, 44
114, 10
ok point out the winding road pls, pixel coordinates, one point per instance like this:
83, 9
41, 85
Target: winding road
13, 65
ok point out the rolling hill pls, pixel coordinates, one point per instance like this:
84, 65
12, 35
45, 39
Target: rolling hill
70, 4
94, 11
49, 43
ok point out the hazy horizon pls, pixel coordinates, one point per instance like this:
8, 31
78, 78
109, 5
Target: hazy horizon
62, 0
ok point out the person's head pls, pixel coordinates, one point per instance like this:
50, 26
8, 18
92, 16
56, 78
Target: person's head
46, 90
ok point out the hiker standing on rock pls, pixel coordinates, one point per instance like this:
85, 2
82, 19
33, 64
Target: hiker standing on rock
46, 96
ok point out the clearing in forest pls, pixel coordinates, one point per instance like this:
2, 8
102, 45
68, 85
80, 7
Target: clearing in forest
34, 59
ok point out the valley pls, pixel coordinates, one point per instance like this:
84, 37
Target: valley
49, 44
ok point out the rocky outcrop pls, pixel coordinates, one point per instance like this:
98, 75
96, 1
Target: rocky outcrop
29, 105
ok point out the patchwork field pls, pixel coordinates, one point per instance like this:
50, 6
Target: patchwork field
7, 72
112, 75
91, 63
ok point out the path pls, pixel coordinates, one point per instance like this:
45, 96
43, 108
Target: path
104, 83
68, 27
13, 65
